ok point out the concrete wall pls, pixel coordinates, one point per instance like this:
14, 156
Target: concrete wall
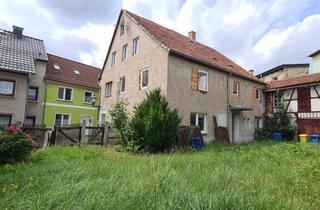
16, 105
287, 73
245, 99
35, 108
214, 102
151, 55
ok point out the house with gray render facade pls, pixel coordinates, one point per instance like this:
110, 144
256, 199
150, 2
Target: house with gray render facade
23, 62
197, 80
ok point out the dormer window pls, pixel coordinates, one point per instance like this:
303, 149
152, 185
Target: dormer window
56, 66
121, 29
76, 71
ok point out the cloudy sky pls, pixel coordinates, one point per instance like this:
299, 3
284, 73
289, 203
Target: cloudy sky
256, 34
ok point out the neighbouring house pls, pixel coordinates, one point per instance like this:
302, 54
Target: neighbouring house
196, 79
284, 71
71, 90
23, 62
315, 64
301, 98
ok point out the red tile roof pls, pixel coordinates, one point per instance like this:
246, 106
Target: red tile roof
307, 79
88, 76
181, 45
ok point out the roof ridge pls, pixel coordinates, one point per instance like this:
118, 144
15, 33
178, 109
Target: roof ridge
4, 30
230, 68
74, 61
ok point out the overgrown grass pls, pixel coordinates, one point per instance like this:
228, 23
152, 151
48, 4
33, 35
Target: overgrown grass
254, 176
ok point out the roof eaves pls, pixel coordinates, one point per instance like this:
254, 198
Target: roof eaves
193, 59
314, 53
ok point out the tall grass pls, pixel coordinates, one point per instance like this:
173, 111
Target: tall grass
255, 176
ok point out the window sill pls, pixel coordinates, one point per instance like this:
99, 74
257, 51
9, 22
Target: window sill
203, 91
7, 96
32, 101
144, 88
108, 96
64, 100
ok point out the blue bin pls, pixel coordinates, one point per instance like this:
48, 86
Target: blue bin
196, 143
277, 137
314, 139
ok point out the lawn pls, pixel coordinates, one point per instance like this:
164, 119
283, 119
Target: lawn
254, 176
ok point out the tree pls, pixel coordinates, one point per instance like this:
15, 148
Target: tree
284, 124
120, 119
154, 124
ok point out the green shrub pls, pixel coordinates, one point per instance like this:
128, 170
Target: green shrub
154, 124
15, 145
284, 125
120, 119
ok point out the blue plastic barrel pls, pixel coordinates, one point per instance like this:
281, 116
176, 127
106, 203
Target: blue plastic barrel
277, 137
314, 139
196, 143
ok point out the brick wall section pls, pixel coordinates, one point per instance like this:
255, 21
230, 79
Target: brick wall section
194, 79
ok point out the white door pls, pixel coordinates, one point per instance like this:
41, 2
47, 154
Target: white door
88, 120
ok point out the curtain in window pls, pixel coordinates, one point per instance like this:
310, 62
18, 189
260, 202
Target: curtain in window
203, 81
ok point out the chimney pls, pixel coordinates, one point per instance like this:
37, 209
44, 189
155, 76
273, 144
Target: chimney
192, 36
17, 30
251, 71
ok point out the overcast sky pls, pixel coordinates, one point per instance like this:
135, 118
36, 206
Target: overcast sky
256, 34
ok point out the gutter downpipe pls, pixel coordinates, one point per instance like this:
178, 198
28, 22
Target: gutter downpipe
228, 126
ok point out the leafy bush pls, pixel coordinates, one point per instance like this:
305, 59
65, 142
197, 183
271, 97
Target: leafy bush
154, 124
284, 125
15, 145
120, 118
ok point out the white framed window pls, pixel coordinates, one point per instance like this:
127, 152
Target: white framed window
65, 93
144, 78
203, 81
258, 94
135, 46
276, 99
7, 87
125, 52
236, 88
88, 96
122, 84
200, 120
62, 120
108, 90
113, 58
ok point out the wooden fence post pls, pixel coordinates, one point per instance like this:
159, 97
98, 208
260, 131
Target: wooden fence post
106, 132
83, 133
47, 137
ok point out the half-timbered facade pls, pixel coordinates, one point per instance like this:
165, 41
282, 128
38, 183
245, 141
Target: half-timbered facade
301, 98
